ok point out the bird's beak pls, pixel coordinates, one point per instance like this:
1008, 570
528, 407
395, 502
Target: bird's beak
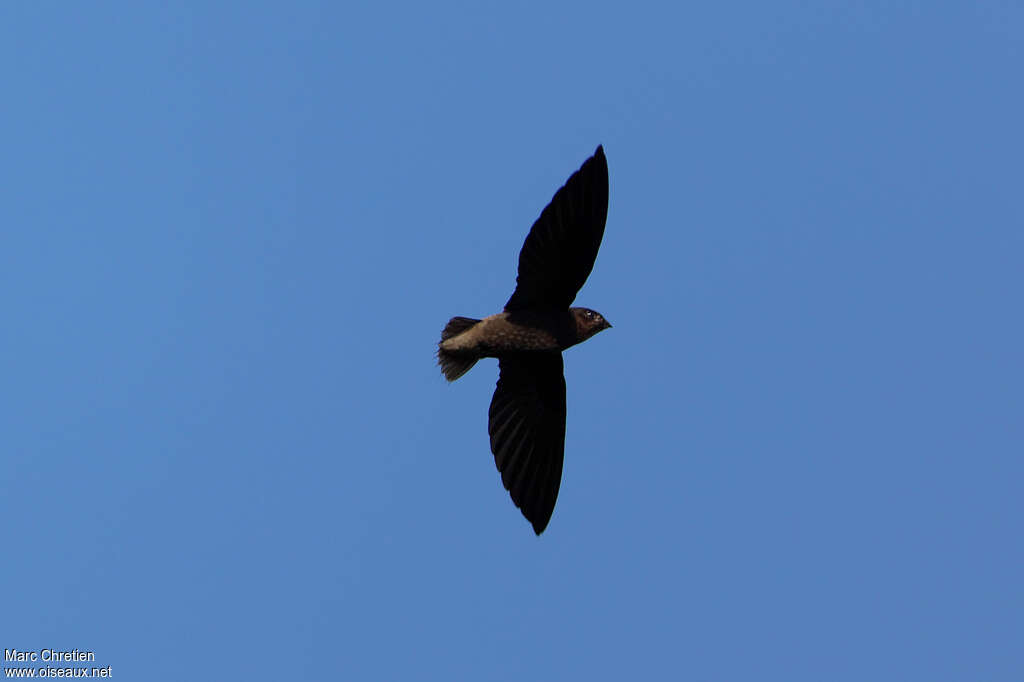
607, 324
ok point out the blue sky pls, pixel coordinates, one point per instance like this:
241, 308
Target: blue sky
232, 233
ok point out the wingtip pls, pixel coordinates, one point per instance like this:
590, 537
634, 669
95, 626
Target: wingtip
599, 151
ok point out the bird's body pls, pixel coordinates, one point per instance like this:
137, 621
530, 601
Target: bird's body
527, 416
507, 332
521, 331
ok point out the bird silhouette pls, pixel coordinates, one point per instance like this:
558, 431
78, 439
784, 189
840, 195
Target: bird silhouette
526, 420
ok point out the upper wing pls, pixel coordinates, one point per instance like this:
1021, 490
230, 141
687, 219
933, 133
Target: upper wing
527, 427
559, 252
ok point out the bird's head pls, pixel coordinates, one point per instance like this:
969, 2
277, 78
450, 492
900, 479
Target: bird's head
588, 322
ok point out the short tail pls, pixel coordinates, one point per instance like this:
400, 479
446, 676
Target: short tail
454, 365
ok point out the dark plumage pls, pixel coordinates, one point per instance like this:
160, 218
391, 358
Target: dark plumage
526, 421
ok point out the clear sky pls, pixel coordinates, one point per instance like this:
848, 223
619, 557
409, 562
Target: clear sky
230, 234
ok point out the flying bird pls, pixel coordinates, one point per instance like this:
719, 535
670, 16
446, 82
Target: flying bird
526, 421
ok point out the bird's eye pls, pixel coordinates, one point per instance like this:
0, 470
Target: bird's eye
588, 314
